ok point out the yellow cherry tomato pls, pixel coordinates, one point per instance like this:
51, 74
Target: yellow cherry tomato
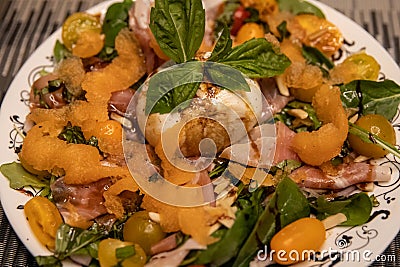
140, 229
317, 32
88, 44
44, 219
108, 254
359, 66
377, 125
77, 23
249, 31
294, 240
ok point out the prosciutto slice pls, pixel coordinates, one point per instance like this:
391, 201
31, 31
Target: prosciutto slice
79, 204
344, 176
257, 149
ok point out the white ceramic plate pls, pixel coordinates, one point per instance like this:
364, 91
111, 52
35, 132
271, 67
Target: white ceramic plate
372, 237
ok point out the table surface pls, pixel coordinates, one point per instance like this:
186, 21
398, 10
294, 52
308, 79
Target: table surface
24, 24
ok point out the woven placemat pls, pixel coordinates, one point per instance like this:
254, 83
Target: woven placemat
24, 24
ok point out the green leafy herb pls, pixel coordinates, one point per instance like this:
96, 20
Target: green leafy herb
170, 88
283, 31
226, 77
371, 97
223, 44
254, 15
256, 58
231, 240
72, 241
60, 52
229, 245
310, 110
317, 58
178, 27
19, 177
357, 208
115, 20
74, 134
300, 7
288, 165
286, 205
371, 138
125, 252
226, 18
220, 166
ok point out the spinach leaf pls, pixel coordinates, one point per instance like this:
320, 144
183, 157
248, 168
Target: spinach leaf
256, 58
373, 139
371, 97
20, 178
229, 245
173, 86
178, 27
310, 110
115, 20
231, 240
60, 52
316, 57
286, 205
357, 208
300, 7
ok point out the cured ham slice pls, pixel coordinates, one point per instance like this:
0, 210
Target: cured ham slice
344, 176
257, 150
79, 204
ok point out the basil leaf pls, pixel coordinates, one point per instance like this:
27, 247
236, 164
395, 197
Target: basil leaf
316, 57
286, 205
372, 97
173, 86
283, 31
357, 208
256, 58
178, 27
300, 7
20, 178
73, 240
223, 44
226, 77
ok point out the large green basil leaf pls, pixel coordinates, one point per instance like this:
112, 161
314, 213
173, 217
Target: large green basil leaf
178, 26
256, 58
173, 86
371, 97
226, 77
223, 44
300, 7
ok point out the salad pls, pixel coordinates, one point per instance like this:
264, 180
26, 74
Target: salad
115, 136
